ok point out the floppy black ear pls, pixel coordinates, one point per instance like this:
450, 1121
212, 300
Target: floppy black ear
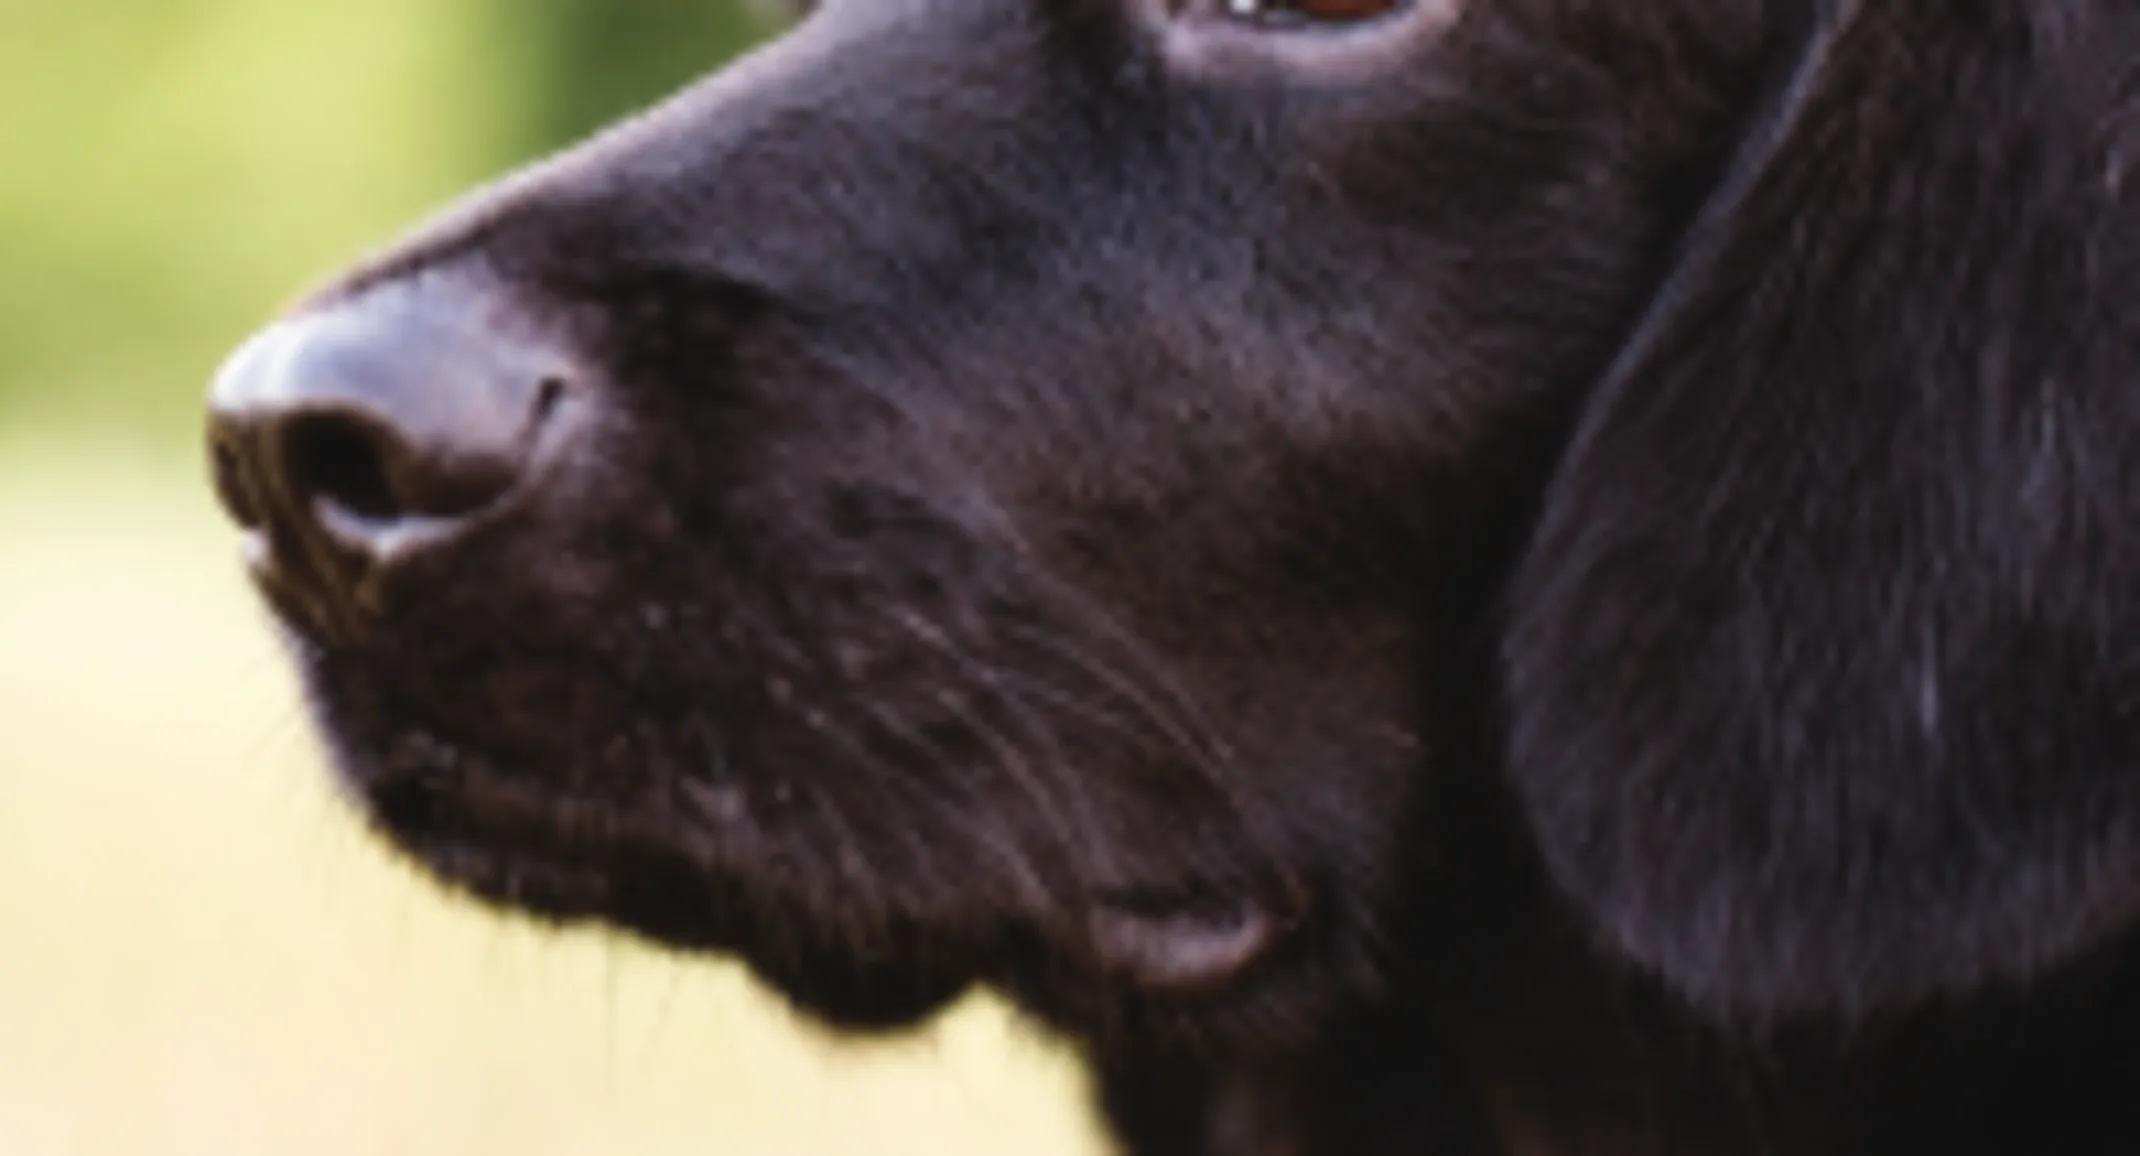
1824, 666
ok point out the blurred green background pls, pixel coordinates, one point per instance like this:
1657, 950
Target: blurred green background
199, 951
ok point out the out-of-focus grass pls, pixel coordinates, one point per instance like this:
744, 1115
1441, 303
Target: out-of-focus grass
170, 170
201, 953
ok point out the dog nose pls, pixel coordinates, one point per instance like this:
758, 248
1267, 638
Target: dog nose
349, 437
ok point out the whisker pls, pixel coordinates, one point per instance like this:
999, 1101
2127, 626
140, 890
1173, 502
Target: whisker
1015, 858
1182, 725
1036, 728
1012, 758
853, 748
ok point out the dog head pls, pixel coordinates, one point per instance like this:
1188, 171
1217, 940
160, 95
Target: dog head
1026, 492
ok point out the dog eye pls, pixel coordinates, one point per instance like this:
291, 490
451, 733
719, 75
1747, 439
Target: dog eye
1310, 11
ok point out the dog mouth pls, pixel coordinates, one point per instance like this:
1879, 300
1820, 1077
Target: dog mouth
524, 849
710, 884
578, 862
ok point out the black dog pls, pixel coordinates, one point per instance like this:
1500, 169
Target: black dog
1420, 576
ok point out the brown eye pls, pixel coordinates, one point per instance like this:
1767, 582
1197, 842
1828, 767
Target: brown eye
1313, 11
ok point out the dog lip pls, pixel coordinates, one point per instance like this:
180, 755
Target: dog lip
558, 888
571, 866
1188, 950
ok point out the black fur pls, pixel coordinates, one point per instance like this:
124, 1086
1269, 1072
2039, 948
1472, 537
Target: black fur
1605, 532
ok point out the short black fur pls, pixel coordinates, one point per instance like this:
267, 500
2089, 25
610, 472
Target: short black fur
1540, 577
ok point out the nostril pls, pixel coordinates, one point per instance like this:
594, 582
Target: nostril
368, 431
234, 486
547, 395
342, 461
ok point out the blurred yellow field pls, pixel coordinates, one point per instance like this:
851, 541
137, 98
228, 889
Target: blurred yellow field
203, 954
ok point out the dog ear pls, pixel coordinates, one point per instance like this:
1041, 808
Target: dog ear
1824, 660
